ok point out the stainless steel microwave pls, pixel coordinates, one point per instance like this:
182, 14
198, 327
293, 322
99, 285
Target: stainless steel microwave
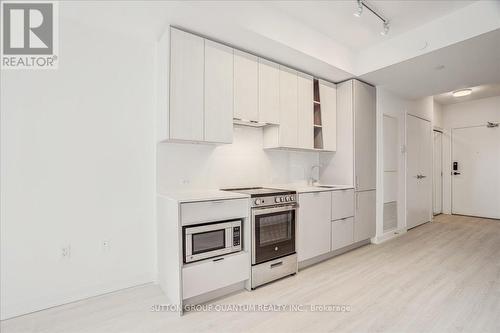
209, 240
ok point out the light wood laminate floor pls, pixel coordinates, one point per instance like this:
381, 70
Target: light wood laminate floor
440, 277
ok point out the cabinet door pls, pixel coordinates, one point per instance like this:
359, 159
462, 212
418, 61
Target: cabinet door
186, 86
342, 233
288, 108
269, 92
342, 204
313, 225
364, 215
246, 73
328, 100
365, 136
305, 136
218, 92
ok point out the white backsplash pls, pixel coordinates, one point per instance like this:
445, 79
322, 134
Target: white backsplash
184, 166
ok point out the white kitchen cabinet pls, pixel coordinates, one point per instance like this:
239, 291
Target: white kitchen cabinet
209, 275
288, 108
246, 83
342, 204
328, 103
314, 225
364, 215
218, 119
364, 97
342, 233
269, 92
186, 86
305, 111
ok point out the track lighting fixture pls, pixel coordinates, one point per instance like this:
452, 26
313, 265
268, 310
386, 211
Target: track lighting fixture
385, 28
385, 22
359, 11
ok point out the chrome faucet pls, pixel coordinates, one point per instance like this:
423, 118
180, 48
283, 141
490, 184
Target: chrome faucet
313, 180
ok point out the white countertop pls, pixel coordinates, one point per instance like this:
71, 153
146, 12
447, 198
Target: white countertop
201, 195
304, 188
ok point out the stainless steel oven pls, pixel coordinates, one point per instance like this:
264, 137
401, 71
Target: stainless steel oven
209, 240
273, 232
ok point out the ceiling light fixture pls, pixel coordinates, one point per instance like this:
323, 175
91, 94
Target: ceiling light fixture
385, 22
462, 92
359, 11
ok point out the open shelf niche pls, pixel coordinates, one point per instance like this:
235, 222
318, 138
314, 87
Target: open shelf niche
318, 130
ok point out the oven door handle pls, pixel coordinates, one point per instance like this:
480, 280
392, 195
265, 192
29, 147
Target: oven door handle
262, 211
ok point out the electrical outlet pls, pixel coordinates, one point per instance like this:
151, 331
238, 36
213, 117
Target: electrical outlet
66, 252
106, 245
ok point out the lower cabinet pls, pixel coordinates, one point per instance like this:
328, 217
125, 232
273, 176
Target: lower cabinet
313, 225
200, 278
342, 233
364, 215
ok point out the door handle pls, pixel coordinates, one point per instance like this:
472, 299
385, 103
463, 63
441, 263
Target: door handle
456, 173
276, 264
218, 259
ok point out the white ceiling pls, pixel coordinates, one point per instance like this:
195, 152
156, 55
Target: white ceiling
324, 38
485, 91
471, 63
336, 20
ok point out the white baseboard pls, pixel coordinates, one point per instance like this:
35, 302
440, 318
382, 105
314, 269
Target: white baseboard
388, 236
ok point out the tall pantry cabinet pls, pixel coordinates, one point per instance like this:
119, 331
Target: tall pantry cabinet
355, 160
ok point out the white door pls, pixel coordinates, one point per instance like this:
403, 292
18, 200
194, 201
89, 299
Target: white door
476, 180
218, 92
418, 171
438, 174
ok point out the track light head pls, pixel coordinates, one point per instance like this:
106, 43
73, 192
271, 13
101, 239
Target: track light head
359, 10
385, 28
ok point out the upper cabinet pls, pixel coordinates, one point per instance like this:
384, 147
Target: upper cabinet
269, 92
210, 86
288, 107
328, 105
246, 85
218, 92
186, 86
305, 112
201, 89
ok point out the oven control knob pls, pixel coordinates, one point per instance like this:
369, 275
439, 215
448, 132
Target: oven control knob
282, 199
276, 199
287, 198
258, 201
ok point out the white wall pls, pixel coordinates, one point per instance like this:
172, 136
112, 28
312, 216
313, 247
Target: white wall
78, 168
184, 166
472, 113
